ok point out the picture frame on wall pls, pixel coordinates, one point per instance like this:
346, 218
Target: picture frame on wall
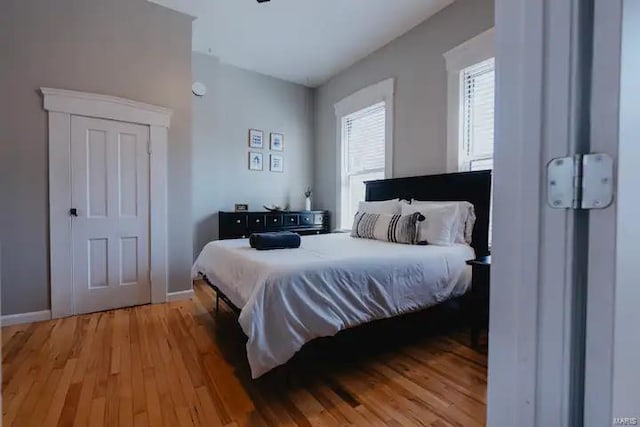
277, 142
277, 163
255, 161
256, 138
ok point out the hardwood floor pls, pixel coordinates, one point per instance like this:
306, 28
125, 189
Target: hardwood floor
178, 364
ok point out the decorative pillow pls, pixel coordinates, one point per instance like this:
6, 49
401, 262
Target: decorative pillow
389, 228
438, 226
387, 207
462, 231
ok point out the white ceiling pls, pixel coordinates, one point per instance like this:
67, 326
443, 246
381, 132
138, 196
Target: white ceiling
303, 41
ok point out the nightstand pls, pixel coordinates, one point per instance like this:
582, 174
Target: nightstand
479, 299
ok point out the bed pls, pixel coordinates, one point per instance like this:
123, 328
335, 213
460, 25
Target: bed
286, 298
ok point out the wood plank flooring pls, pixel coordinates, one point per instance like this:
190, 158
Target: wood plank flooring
178, 364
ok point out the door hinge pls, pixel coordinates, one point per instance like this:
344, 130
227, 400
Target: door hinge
582, 181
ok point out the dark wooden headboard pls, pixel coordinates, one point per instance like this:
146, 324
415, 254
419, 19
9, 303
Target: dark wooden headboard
473, 187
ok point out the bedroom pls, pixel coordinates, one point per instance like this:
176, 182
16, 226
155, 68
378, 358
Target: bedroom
233, 119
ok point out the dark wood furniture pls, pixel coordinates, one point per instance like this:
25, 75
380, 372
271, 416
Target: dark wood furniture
237, 225
479, 297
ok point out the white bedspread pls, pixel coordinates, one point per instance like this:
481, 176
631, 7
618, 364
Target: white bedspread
332, 282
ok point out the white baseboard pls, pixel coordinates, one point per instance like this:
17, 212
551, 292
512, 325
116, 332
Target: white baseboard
34, 316
181, 295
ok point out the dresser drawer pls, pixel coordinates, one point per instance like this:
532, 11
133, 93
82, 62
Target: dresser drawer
319, 219
256, 221
274, 220
291, 220
306, 219
233, 225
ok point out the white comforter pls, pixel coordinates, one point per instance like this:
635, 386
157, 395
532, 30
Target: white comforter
332, 282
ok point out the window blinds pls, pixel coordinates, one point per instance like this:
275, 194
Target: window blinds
364, 136
363, 151
478, 89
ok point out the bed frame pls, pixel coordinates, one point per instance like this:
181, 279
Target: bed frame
473, 187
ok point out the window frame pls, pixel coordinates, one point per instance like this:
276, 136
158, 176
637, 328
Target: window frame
478, 49
380, 92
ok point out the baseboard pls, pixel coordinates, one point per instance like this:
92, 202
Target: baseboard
178, 296
34, 316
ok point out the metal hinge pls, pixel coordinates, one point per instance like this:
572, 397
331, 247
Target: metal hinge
583, 181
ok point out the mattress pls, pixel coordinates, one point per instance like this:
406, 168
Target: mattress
332, 282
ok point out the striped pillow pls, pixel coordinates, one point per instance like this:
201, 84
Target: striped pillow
389, 228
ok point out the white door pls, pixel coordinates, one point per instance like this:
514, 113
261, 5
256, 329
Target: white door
612, 380
564, 338
539, 251
110, 214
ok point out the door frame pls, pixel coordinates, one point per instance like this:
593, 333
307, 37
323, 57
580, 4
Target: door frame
537, 310
611, 126
61, 104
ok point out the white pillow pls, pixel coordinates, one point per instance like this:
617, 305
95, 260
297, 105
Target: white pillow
437, 228
386, 207
465, 219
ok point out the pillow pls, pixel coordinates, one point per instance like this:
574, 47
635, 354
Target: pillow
465, 220
389, 228
438, 226
388, 207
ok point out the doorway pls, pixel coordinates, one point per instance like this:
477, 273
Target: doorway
107, 201
109, 214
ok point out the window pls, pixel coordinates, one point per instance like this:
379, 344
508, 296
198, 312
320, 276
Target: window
470, 105
364, 144
477, 113
470, 99
363, 156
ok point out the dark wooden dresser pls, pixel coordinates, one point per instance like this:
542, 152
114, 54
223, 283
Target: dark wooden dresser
235, 225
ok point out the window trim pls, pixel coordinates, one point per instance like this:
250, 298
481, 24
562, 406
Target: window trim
475, 50
366, 97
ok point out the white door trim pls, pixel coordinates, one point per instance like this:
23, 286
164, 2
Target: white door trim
475, 50
605, 137
61, 105
363, 98
534, 354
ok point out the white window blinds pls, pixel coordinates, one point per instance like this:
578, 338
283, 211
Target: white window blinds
363, 149
478, 94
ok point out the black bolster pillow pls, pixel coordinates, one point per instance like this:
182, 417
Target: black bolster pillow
277, 240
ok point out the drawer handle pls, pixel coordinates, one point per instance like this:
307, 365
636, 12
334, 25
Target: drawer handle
258, 221
275, 219
292, 219
237, 221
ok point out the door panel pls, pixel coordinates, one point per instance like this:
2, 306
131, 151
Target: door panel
626, 373
110, 190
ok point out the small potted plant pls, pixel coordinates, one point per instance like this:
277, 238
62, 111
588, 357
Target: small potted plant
307, 202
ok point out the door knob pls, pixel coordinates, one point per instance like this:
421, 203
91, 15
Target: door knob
73, 212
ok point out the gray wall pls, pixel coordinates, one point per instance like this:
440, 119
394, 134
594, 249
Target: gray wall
127, 48
415, 60
236, 101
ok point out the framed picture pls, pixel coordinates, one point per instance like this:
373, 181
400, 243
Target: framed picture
256, 138
255, 161
277, 163
241, 207
277, 141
